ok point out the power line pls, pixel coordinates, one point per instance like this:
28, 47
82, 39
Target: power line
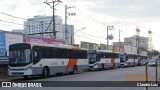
12, 16
84, 37
91, 35
54, 3
20, 17
10, 22
87, 38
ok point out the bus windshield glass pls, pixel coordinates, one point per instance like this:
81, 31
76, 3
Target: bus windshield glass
19, 55
92, 56
122, 57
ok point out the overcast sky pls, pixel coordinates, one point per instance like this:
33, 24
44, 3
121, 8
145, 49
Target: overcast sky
125, 15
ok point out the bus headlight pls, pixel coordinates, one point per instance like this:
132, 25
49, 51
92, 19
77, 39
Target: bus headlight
27, 68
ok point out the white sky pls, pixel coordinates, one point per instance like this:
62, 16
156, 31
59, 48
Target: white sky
125, 15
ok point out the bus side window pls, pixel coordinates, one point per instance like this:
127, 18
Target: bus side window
126, 57
98, 57
38, 54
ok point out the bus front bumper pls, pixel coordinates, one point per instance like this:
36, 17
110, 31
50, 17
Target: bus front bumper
19, 72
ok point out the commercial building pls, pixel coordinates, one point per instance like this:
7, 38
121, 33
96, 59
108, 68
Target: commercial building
41, 24
137, 41
20, 31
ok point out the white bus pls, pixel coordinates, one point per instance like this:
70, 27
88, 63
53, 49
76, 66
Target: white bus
103, 59
133, 59
143, 59
40, 59
127, 60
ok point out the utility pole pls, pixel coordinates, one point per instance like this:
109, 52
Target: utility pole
137, 40
119, 39
66, 26
65, 22
54, 3
146, 74
157, 71
107, 37
109, 28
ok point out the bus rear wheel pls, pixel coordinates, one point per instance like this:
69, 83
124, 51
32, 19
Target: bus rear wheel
45, 72
102, 67
75, 70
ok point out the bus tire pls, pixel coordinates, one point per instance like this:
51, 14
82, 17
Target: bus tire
25, 77
89, 69
75, 69
45, 72
129, 65
102, 68
113, 66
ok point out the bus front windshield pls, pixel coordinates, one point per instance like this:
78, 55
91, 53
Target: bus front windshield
122, 57
20, 54
92, 57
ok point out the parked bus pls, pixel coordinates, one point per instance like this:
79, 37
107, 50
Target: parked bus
139, 57
123, 59
127, 60
133, 59
43, 59
144, 60
102, 59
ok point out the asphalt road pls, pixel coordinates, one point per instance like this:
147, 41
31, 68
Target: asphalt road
119, 74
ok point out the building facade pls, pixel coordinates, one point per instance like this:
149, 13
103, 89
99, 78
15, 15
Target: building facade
19, 31
137, 41
41, 24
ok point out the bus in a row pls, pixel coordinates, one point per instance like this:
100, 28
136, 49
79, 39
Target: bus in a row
103, 59
39, 59
132, 59
43, 59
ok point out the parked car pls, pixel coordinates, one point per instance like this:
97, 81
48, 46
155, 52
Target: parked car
152, 62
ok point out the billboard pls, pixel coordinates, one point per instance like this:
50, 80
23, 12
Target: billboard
88, 45
12, 39
116, 49
127, 49
2, 44
103, 47
144, 53
76, 45
37, 40
134, 50
110, 47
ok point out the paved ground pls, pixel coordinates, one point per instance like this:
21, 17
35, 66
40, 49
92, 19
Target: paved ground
119, 74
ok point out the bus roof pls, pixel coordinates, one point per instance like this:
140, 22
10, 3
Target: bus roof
56, 45
107, 51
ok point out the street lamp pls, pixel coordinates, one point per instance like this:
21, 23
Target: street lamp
75, 33
80, 29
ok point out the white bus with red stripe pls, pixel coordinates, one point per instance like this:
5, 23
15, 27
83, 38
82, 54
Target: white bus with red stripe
103, 59
39, 59
133, 59
127, 60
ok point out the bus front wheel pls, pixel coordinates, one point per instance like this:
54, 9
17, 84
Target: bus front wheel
25, 77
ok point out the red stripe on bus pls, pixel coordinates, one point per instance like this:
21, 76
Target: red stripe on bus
71, 63
112, 61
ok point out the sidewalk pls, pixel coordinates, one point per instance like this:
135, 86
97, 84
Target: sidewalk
7, 78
